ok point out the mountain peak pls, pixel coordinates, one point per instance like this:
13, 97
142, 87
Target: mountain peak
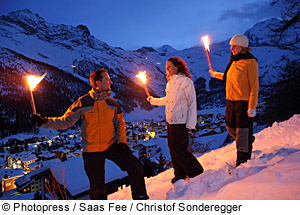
29, 22
264, 34
165, 49
24, 14
84, 28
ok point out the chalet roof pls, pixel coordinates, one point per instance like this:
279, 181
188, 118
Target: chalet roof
64, 150
26, 179
29, 157
11, 172
8, 195
149, 143
71, 174
78, 151
24, 156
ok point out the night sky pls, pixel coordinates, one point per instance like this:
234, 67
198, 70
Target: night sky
131, 24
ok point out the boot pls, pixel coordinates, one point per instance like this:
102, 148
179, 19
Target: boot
176, 179
242, 157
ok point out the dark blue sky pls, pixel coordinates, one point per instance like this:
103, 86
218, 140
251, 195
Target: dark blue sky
131, 24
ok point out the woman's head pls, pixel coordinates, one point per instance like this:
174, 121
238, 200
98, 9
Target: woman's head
176, 65
239, 44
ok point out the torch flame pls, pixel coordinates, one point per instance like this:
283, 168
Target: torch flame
205, 41
142, 76
33, 80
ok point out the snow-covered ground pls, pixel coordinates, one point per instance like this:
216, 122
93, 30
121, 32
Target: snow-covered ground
273, 173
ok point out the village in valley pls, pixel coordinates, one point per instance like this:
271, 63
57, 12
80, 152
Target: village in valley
51, 167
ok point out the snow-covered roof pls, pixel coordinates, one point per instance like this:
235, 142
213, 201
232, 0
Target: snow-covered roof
24, 156
22, 181
29, 157
3, 161
8, 195
76, 180
11, 172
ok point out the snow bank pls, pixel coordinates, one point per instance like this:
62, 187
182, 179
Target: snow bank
272, 173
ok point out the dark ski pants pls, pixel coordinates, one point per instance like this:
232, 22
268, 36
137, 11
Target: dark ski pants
240, 127
184, 162
94, 165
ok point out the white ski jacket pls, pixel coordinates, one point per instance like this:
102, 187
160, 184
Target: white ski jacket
180, 101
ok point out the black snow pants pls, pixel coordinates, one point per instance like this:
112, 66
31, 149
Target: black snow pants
120, 154
184, 162
240, 127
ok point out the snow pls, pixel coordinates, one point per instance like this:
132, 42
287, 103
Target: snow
162, 143
25, 156
72, 175
213, 141
49, 133
18, 198
273, 173
140, 115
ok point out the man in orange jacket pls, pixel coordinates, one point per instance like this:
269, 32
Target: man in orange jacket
102, 136
241, 77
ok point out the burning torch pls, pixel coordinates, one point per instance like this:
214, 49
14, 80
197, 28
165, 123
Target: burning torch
33, 81
205, 42
143, 78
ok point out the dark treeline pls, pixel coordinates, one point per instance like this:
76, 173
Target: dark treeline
55, 93
283, 98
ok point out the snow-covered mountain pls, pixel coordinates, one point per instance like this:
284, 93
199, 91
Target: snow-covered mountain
30, 44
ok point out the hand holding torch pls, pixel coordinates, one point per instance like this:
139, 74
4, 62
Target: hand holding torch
205, 42
32, 83
143, 78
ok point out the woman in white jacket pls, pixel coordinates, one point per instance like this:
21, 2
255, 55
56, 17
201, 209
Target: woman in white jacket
181, 115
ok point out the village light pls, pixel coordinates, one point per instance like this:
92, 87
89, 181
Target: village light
205, 42
33, 81
143, 78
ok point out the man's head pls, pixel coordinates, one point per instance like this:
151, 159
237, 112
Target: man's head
100, 80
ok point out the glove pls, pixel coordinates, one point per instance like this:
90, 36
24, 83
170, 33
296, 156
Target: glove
149, 98
251, 112
213, 73
36, 119
189, 127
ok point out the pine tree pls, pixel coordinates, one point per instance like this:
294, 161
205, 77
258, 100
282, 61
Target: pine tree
283, 100
161, 162
290, 25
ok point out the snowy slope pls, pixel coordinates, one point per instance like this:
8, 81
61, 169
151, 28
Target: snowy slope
272, 173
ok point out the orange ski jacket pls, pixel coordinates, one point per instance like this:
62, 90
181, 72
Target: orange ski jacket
102, 121
242, 81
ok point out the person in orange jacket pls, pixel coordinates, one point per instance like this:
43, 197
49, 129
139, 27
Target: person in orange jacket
241, 78
103, 136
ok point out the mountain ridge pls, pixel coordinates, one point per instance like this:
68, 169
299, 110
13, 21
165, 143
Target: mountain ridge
72, 50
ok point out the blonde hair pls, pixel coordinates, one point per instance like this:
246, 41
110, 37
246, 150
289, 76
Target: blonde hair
245, 50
